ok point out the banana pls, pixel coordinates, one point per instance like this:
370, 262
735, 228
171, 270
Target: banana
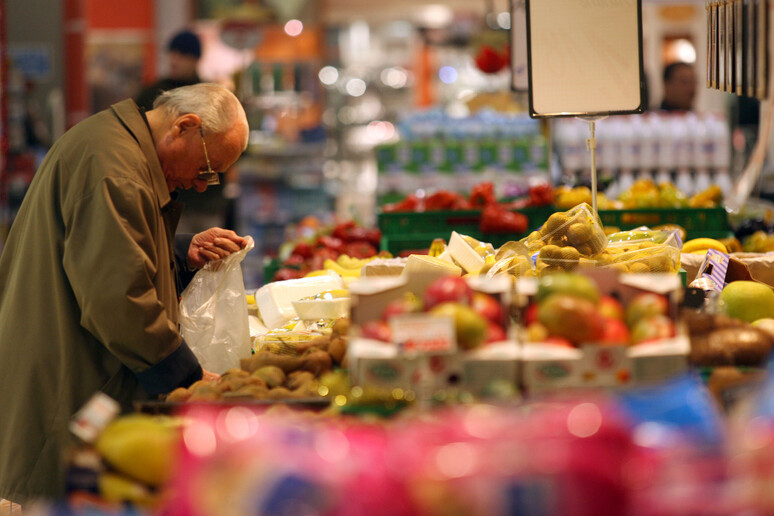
335, 267
702, 244
348, 262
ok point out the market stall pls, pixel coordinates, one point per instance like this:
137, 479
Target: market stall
500, 341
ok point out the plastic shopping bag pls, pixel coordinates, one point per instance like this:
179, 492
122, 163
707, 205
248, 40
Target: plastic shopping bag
213, 313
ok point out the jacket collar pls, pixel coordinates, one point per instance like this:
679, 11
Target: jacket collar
129, 114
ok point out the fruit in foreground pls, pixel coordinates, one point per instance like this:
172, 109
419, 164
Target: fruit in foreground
651, 328
448, 289
571, 317
470, 327
645, 305
141, 447
572, 284
747, 300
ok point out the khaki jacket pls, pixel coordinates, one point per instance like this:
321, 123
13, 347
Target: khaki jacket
88, 297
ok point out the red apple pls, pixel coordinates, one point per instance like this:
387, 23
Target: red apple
558, 341
530, 314
448, 289
611, 308
651, 328
377, 330
614, 331
645, 305
494, 333
487, 306
406, 304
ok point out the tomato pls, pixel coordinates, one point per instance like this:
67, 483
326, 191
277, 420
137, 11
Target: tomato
359, 250
482, 195
294, 260
496, 219
286, 274
330, 242
303, 249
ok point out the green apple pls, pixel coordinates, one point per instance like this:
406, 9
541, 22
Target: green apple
470, 327
576, 285
747, 300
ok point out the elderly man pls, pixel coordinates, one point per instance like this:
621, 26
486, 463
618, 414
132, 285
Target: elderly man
88, 276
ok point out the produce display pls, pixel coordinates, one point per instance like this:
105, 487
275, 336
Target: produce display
286, 366
345, 238
478, 318
569, 310
571, 306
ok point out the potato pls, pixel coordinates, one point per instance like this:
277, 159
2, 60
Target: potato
341, 328
298, 378
264, 358
337, 349
272, 375
316, 362
180, 394
279, 393
236, 373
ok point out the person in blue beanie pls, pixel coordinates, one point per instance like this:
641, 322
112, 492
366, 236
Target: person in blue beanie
184, 52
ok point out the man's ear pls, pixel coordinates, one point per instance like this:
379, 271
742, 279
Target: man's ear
187, 122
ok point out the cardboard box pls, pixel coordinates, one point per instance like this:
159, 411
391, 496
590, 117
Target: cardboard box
389, 365
477, 372
548, 367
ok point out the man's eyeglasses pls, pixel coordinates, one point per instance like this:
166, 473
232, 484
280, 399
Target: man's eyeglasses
210, 176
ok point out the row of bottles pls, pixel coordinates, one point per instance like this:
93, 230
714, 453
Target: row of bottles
693, 151
435, 150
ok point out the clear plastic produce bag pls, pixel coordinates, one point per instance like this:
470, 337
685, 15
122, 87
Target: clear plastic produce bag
213, 313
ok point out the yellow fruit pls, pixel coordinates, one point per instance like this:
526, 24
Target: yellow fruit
554, 222
117, 489
570, 254
579, 233
639, 268
551, 252
335, 267
698, 244
141, 447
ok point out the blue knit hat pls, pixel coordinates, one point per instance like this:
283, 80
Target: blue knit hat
186, 42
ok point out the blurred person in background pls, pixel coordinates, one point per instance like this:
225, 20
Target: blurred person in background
679, 87
184, 53
92, 270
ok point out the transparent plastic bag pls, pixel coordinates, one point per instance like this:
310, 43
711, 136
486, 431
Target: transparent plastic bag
213, 313
578, 228
640, 256
512, 258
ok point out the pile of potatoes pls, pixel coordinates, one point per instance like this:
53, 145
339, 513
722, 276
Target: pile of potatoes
275, 373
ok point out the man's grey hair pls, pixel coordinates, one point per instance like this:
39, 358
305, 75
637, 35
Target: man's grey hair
218, 108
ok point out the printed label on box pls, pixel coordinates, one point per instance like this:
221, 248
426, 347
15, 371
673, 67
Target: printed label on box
422, 333
605, 365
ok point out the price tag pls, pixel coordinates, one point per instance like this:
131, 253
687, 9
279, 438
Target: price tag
424, 334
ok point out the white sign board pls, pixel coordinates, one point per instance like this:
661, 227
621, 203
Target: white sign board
585, 57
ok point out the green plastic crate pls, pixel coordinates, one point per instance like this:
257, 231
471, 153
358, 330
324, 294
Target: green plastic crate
421, 241
444, 222
697, 222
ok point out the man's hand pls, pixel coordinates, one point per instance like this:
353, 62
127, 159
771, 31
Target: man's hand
213, 244
210, 377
